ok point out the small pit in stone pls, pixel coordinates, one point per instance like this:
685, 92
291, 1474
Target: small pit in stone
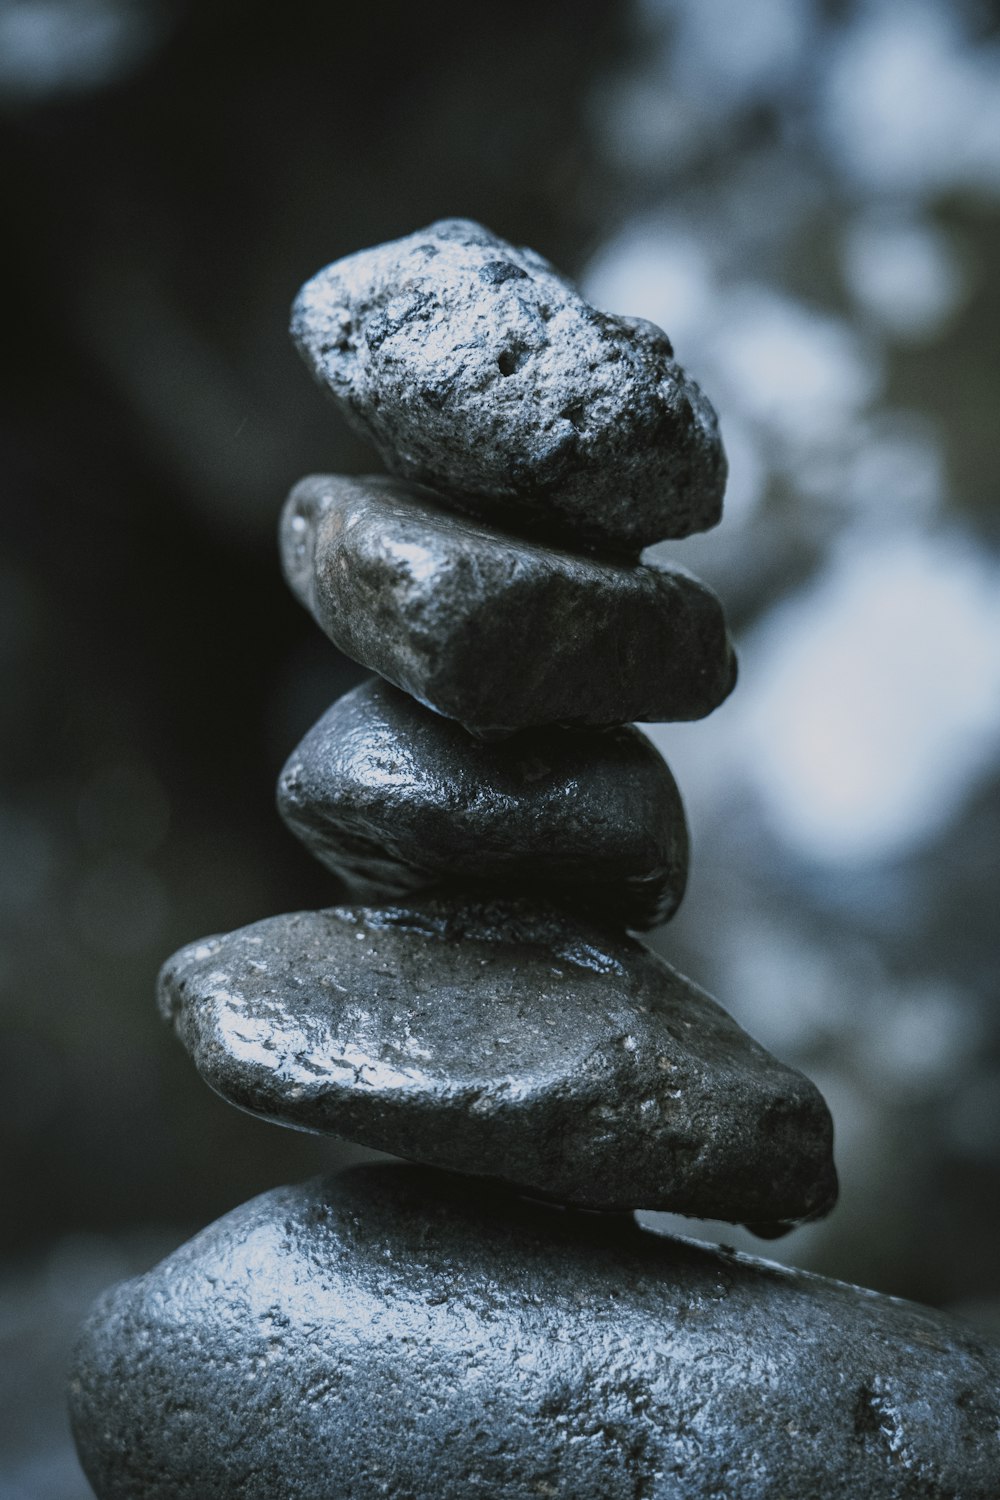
575, 414
510, 360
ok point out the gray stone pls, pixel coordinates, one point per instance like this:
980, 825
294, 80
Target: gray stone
510, 1040
394, 798
477, 369
495, 631
390, 1333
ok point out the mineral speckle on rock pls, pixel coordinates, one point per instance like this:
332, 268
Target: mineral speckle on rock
499, 632
396, 1332
507, 1040
477, 369
394, 798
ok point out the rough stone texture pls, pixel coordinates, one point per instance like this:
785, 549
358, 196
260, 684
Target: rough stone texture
505, 1039
394, 798
474, 367
393, 1333
495, 631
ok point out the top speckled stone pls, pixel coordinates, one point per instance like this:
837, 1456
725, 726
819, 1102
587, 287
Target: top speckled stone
474, 367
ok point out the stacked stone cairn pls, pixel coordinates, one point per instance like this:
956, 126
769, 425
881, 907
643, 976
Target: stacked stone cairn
504, 1328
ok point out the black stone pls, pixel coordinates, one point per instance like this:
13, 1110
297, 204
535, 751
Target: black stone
492, 630
476, 368
394, 798
508, 1040
388, 1333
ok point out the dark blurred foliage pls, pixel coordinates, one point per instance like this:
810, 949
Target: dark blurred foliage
161, 211
154, 416
806, 195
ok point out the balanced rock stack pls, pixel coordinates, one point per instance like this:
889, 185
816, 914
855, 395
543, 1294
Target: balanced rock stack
422, 1334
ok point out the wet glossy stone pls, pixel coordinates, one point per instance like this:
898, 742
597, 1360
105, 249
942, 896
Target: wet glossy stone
509, 1040
492, 630
393, 1333
394, 798
475, 368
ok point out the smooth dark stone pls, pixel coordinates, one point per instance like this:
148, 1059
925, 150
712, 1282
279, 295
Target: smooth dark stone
475, 368
508, 1040
492, 630
387, 1333
394, 798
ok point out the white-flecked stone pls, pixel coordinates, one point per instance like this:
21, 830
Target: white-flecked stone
477, 369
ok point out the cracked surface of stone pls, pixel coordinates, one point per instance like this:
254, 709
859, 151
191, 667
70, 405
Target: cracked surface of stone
510, 1040
394, 798
499, 632
475, 368
397, 1332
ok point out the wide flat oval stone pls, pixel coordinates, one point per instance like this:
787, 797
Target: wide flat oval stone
495, 631
394, 798
387, 1333
508, 1040
475, 368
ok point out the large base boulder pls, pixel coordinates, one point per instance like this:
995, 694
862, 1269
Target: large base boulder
396, 1332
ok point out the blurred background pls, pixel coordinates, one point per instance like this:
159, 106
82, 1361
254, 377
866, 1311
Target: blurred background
807, 196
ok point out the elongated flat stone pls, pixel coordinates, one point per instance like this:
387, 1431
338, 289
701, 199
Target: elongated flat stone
508, 1040
492, 630
394, 798
390, 1333
477, 369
